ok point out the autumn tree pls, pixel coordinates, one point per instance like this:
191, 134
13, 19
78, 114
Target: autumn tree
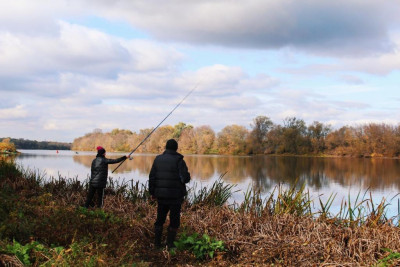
317, 132
7, 146
187, 142
294, 136
274, 143
178, 128
205, 139
380, 139
338, 142
232, 140
258, 135
141, 136
118, 140
157, 141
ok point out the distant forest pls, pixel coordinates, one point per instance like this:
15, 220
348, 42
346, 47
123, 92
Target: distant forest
293, 137
33, 144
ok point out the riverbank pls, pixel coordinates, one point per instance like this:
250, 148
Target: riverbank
43, 223
10, 152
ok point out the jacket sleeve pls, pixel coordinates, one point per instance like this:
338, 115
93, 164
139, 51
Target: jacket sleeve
152, 179
112, 161
184, 174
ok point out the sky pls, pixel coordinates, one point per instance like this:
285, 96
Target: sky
68, 67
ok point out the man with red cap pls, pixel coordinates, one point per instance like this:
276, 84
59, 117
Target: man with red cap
98, 178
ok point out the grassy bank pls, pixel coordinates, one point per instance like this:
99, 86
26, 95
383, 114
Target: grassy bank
42, 223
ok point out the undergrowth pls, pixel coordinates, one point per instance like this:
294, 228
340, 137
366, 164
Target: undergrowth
43, 223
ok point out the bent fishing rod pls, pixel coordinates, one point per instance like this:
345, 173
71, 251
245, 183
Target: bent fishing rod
156, 127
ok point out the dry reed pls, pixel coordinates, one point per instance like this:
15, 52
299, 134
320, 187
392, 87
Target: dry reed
276, 231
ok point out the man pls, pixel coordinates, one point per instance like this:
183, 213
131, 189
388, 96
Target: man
98, 178
167, 180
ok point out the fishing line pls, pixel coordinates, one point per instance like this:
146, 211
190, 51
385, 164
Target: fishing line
191, 91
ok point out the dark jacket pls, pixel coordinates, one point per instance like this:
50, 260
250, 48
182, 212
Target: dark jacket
99, 170
168, 176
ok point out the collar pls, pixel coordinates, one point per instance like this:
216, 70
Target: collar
172, 152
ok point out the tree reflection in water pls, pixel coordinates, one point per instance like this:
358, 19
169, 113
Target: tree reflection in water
321, 175
267, 171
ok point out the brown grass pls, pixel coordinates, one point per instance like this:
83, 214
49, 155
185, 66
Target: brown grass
251, 238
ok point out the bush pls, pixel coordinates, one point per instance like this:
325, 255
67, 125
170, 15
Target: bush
202, 247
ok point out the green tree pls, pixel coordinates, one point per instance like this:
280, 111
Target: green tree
294, 136
178, 128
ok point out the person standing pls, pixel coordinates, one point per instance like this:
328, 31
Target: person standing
167, 179
98, 177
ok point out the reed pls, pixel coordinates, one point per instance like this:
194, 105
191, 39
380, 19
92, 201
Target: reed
217, 195
253, 202
293, 201
138, 192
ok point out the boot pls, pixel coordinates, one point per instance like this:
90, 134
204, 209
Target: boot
171, 237
157, 236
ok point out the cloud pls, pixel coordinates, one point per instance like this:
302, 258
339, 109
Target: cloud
82, 50
344, 27
32, 18
351, 79
379, 65
12, 113
63, 79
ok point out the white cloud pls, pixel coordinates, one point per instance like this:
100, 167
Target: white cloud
62, 79
345, 27
16, 112
378, 65
81, 50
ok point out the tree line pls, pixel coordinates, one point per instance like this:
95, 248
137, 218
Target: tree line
293, 137
33, 144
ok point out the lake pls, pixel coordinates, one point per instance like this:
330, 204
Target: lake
322, 176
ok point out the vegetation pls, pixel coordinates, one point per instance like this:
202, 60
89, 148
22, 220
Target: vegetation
42, 224
264, 137
202, 247
6, 146
33, 144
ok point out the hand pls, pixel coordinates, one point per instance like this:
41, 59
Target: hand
128, 157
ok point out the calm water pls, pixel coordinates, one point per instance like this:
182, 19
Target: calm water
323, 176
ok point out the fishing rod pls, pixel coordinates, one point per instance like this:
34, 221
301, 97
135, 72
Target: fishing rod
156, 127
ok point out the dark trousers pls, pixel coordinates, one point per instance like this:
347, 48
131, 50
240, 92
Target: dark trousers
90, 195
174, 214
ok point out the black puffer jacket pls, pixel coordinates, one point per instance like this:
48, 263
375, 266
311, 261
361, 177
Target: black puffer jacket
100, 170
168, 176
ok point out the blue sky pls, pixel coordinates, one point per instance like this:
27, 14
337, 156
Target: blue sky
68, 67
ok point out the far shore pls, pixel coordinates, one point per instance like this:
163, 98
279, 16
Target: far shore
244, 155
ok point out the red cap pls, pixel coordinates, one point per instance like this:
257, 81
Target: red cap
99, 147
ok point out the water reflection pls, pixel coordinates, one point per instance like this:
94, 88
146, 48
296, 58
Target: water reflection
267, 171
323, 176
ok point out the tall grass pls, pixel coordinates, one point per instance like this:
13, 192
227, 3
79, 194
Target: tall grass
294, 199
253, 202
217, 195
278, 229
